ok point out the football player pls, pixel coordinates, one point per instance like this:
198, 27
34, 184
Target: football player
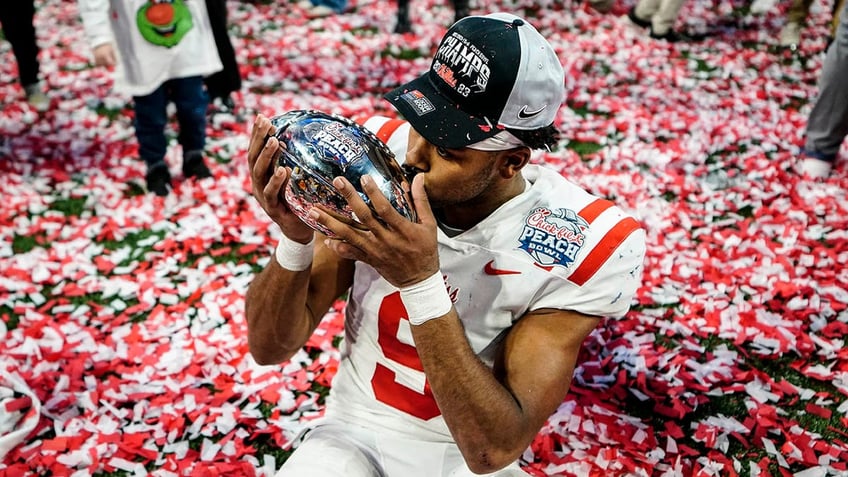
462, 330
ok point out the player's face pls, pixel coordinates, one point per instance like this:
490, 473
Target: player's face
451, 176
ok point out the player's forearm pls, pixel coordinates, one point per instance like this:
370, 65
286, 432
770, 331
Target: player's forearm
278, 321
482, 415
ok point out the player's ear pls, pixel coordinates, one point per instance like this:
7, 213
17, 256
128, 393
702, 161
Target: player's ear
513, 160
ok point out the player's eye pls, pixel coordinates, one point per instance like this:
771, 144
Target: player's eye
442, 152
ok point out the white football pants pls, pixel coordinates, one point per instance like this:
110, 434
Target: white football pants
335, 449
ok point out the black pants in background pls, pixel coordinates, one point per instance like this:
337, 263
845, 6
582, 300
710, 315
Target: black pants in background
16, 18
228, 80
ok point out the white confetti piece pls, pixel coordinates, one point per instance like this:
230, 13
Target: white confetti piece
209, 450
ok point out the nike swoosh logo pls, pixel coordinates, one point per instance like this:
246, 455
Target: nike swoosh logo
524, 114
491, 270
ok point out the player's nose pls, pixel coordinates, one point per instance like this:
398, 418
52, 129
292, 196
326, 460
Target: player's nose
416, 152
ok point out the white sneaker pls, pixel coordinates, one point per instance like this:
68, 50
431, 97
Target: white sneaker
319, 11
813, 168
790, 35
36, 97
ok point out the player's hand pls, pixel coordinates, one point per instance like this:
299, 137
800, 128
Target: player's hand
269, 180
104, 55
402, 251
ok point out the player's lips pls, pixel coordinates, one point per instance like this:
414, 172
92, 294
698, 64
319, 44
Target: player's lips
409, 172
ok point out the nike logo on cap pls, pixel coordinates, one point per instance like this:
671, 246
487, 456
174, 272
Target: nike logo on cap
524, 114
491, 270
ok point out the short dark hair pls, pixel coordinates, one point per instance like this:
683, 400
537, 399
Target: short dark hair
542, 138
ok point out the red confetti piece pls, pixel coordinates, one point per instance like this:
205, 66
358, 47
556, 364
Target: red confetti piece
820, 411
18, 404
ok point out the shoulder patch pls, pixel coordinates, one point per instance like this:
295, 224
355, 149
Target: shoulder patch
553, 237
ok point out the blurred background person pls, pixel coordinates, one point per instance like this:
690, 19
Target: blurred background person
404, 23
16, 19
658, 16
827, 125
224, 83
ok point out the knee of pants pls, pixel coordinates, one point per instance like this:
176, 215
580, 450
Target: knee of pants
325, 455
146, 123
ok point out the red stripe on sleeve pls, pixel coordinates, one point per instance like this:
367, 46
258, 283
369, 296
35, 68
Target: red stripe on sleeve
593, 210
603, 250
387, 129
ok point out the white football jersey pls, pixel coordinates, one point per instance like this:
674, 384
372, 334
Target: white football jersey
553, 246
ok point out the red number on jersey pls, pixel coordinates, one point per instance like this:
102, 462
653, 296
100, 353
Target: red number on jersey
386, 389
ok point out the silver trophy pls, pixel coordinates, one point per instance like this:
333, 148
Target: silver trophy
320, 147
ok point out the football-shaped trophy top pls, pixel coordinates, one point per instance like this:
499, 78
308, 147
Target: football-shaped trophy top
320, 147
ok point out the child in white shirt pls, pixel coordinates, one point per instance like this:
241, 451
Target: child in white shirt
161, 49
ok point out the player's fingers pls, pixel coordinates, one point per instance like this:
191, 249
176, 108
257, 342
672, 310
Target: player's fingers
356, 203
422, 202
271, 192
344, 249
263, 167
342, 227
381, 205
262, 128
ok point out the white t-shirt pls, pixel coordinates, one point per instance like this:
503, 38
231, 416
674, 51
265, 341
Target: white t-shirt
553, 246
154, 42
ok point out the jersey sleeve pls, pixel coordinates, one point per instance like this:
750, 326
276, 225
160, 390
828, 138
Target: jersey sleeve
603, 283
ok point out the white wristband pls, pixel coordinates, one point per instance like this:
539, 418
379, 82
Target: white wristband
294, 256
426, 300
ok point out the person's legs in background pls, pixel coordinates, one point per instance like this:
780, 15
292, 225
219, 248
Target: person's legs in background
662, 22
641, 13
659, 16
827, 125
403, 24
16, 18
222, 84
150, 119
461, 9
191, 101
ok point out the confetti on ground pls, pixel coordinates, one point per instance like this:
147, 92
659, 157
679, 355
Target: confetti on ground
123, 339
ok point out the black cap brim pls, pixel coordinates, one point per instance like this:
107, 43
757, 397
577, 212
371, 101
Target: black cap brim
436, 118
